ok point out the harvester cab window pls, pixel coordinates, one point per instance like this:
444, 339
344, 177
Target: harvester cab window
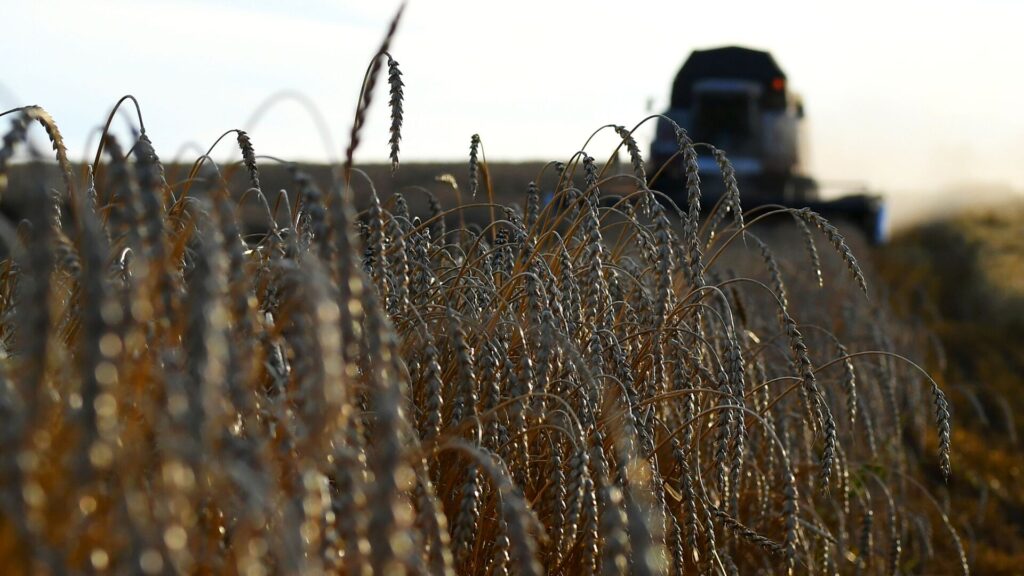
724, 120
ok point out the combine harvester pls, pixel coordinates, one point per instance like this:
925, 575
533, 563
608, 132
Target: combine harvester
737, 100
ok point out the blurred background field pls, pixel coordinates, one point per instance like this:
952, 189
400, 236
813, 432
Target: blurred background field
962, 276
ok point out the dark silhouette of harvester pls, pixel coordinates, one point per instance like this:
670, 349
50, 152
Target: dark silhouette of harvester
738, 100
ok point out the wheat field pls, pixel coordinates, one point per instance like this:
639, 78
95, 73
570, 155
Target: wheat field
597, 384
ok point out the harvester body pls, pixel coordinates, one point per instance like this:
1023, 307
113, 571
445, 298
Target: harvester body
738, 101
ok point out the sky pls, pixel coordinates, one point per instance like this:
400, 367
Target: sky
907, 97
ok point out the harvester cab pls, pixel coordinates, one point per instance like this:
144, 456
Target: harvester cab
738, 100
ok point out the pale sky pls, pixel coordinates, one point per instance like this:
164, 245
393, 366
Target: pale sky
900, 95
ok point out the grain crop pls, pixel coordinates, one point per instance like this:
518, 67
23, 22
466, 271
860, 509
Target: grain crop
574, 386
